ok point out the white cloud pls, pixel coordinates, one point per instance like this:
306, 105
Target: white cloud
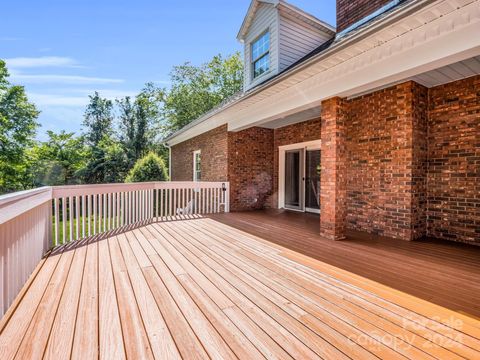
62, 79
9, 38
58, 100
75, 97
107, 93
43, 61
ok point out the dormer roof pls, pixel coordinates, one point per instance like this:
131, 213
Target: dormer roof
288, 8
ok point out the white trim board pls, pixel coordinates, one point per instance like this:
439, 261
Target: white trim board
308, 145
195, 153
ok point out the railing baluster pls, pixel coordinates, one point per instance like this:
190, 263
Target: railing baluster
170, 205
109, 211
89, 217
70, 213
56, 214
144, 205
122, 209
115, 211
162, 204
77, 216
84, 198
95, 199
64, 220
105, 204
137, 206
129, 208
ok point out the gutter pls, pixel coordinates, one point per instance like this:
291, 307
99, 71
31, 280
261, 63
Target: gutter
407, 9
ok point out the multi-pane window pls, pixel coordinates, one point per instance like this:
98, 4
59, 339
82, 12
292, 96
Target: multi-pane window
197, 169
261, 55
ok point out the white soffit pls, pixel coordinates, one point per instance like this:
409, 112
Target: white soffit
298, 117
456, 71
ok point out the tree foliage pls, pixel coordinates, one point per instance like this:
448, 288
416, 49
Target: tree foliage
149, 168
98, 119
139, 120
58, 160
17, 131
197, 89
121, 139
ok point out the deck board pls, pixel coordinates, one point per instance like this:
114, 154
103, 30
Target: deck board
200, 288
442, 272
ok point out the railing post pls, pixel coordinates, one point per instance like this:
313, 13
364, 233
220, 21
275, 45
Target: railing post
227, 197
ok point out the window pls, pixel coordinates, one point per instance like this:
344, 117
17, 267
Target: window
197, 169
261, 55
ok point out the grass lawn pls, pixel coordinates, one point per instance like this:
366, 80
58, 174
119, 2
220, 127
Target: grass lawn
76, 223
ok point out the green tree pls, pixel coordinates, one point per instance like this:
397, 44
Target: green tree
139, 122
106, 158
17, 131
98, 119
58, 160
197, 89
107, 163
149, 168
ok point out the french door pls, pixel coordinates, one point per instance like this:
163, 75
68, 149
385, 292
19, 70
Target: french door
302, 179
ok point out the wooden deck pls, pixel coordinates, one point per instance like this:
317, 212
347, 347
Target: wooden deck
442, 272
201, 289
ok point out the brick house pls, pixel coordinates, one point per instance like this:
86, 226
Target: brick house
374, 125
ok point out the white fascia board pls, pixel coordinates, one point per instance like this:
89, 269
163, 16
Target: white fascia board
247, 21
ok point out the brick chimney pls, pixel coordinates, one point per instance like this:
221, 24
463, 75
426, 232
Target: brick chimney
351, 11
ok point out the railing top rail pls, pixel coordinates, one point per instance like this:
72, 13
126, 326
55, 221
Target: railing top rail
15, 204
19, 195
12, 205
95, 189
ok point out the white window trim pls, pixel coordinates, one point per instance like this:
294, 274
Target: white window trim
308, 145
252, 61
195, 153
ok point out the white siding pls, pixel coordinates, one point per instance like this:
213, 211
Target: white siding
297, 39
266, 18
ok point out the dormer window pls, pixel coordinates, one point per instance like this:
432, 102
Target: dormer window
261, 55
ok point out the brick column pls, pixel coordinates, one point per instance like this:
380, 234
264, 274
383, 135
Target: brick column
333, 191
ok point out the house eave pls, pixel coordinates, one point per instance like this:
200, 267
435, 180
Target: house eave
397, 14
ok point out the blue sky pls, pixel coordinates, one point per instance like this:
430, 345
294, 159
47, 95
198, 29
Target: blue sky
62, 51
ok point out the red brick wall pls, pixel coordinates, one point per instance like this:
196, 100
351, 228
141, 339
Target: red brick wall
454, 161
334, 162
351, 11
413, 161
385, 135
250, 168
292, 134
214, 163
419, 116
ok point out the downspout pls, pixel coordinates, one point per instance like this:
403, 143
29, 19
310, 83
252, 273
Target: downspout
169, 160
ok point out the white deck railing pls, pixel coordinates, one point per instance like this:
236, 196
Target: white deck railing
32, 222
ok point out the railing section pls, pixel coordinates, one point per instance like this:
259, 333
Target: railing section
25, 236
31, 222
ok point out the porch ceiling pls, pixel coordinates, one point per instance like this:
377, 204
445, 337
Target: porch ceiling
300, 116
456, 71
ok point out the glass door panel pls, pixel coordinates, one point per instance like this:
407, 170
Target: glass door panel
312, 180
293, 179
